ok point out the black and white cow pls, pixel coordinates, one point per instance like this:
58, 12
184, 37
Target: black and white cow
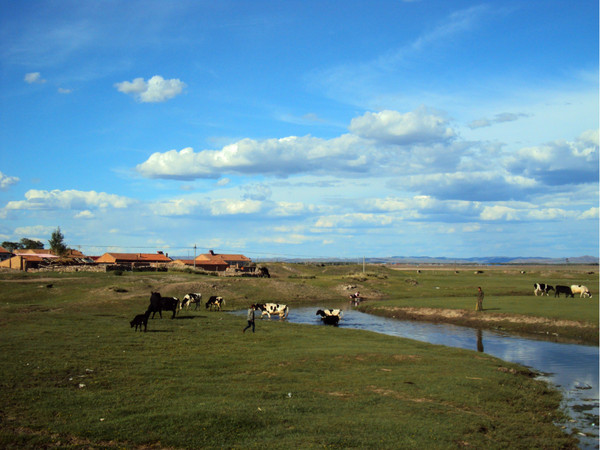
330, 316
159, 303
583, 291
275, 309
563, 290
541, 288
191, 298
215, 302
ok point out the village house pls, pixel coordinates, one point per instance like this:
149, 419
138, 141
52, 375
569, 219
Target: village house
236, 261
134, 259
211, 266
216, 262
25, 259
5, 254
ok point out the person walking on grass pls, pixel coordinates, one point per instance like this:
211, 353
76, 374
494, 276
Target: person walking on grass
250, 318
479, 306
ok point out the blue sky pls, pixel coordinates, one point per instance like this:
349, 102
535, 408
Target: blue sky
302, 128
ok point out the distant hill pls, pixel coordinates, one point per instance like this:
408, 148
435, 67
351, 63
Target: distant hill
444, 260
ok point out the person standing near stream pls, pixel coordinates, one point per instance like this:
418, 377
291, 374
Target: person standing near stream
250, 318
479, 306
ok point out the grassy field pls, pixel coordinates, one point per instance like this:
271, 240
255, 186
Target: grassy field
75, 375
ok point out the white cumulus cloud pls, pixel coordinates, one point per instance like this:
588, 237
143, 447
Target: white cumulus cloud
559, 162
278, 157
6, 181
155, 90
230, 207
353, 220
415, 127
69, 199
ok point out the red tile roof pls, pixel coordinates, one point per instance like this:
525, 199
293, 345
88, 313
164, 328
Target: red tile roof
134, 257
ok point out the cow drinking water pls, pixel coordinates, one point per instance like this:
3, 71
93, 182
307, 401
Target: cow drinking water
330, 316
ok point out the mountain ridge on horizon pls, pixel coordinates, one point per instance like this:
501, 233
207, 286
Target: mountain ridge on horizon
586, 259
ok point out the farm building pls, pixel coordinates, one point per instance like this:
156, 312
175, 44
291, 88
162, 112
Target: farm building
5, 254
237, 261
212, 266
25, 259
134, 259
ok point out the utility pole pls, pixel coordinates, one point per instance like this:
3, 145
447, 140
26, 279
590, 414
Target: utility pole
194, 256
363, 264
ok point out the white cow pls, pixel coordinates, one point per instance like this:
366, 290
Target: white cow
274, 309
583, 291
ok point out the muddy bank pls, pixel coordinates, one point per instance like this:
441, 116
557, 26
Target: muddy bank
561, 330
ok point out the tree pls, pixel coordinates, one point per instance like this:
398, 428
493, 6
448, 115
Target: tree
30, 243
11, 246
57, 244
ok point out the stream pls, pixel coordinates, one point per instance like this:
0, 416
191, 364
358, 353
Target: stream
570, 367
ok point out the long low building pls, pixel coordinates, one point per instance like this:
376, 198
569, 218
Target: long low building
25, 259
237, 261
134, 259
211, 266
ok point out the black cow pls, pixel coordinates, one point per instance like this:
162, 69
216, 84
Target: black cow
563, 290
159, 303
139, 320
215, 302
541, 288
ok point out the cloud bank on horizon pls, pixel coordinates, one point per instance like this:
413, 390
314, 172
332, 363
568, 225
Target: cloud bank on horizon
413, 128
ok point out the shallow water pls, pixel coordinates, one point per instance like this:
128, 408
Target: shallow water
572, 368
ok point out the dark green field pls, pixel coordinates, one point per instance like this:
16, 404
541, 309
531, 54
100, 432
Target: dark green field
75, 375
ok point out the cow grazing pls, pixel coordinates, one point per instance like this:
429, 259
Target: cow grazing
215, 302
276, 309
159, 303
541, 288
563, 290
583, 291
191, 298
330, 316
139, 320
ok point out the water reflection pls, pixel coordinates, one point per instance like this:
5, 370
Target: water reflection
479, 341
573, 368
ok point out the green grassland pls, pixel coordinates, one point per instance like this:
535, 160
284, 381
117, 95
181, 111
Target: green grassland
75, 375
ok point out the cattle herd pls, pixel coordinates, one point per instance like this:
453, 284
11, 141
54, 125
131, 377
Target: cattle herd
569, 291
158, 303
